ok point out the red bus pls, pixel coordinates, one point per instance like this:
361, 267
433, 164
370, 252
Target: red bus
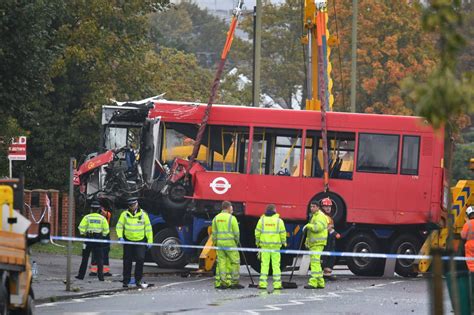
386, 173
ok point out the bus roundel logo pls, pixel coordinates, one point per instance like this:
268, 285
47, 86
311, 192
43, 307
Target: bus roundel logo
220, 185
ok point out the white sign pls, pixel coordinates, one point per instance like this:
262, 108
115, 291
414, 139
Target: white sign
220, 185
17, 149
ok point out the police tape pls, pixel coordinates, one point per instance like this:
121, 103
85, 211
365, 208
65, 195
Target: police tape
256, 250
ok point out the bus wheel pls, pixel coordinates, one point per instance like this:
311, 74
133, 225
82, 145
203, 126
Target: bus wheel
338, 208
175, 198
169, 255
406, 245
363, 266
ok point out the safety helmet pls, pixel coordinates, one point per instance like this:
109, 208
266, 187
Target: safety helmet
469, 210
95, 205
326, 202
132, 201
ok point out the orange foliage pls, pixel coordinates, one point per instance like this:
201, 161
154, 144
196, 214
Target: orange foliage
391, 46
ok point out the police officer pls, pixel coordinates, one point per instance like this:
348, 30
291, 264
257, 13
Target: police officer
226, 233
93, 226
134, 226
270, 233
317, 230
105, 248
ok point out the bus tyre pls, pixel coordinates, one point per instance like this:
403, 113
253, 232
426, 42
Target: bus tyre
169, 255
406, 245
363, 266
175, 197
338, 208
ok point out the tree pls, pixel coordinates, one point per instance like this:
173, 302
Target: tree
391, 47
26, 54
282, 61
102, 47
190, 29
442, 98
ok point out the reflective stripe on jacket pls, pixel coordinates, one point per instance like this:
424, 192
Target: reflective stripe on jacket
225, 230
94, 223
270, 232
317, 230
134, 227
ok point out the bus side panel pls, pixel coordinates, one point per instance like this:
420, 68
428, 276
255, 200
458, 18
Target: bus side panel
414, 190
220, 186
283, 191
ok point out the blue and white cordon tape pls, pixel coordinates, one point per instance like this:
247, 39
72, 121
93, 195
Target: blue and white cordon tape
248, 249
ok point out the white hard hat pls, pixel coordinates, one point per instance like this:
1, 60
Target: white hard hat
469, 210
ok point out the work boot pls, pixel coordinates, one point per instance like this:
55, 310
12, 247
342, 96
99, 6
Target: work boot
107, 274
310, 287
142, 284
124, 285
79, 278
237, 286
101, 279
92, 274
222, 287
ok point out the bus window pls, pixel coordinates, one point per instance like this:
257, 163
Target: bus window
219, 151
340, 151
276, 152
119, 137
178, 142
378, 153
410, 155
225, 145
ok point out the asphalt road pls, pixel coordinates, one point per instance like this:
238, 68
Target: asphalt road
196, 295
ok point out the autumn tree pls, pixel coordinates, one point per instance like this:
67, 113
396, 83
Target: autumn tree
190, 29
390, 45
282, 63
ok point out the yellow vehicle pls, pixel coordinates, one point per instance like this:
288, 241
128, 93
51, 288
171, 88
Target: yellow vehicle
463, 197
16, 293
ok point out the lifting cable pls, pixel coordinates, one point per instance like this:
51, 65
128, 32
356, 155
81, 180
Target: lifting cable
322, 63
215, 84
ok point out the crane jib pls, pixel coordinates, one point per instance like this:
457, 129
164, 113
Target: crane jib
215, 84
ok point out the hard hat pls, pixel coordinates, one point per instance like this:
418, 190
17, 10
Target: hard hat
131, 201
326, 202
469, 210
95, 205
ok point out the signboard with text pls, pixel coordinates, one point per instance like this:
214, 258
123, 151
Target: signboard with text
17, 149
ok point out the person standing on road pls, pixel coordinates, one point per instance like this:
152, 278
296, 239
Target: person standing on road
467, 234
226, 233
134, 226
105, 248
329, 261
270, 233
317, 230
93, 226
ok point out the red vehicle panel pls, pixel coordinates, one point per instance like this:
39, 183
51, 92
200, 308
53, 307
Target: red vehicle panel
411, 194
